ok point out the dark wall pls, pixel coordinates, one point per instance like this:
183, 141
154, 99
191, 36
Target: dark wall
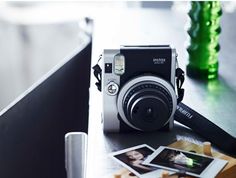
32, 131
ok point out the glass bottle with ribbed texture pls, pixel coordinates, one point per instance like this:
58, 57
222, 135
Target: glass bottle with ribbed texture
204, 34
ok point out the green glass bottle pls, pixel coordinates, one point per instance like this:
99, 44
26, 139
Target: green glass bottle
204, 34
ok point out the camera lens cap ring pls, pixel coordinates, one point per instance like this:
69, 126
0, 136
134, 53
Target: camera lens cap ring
133, 83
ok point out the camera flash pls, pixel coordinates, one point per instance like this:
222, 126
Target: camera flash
119, 61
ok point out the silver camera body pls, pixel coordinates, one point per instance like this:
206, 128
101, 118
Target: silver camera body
138, 88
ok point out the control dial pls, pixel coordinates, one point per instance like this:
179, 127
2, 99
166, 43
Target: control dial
112, 88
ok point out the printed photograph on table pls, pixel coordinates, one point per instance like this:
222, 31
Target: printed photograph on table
192, 163
132, 159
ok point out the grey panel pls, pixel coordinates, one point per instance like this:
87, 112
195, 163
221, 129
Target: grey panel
32, 130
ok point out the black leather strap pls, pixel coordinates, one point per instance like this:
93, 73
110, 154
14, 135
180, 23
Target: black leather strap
205, 128
179, 73
97, 72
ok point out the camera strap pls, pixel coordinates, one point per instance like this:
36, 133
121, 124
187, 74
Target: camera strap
204, 127
97, 72
179, 74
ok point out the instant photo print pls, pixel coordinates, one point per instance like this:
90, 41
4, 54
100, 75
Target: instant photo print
178, 160
132, 159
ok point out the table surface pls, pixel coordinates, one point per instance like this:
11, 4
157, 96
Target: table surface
216, 99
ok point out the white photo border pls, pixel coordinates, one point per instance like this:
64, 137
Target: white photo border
151, 174
209, 171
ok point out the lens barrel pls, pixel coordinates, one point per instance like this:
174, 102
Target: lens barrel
148, 105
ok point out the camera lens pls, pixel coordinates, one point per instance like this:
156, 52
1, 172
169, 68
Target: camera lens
147, 103
149, 112
148, 106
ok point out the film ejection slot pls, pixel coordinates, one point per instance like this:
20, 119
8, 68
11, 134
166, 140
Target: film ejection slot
119, 61
112, 88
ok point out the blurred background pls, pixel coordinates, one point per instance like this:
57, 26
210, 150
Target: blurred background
35, 36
